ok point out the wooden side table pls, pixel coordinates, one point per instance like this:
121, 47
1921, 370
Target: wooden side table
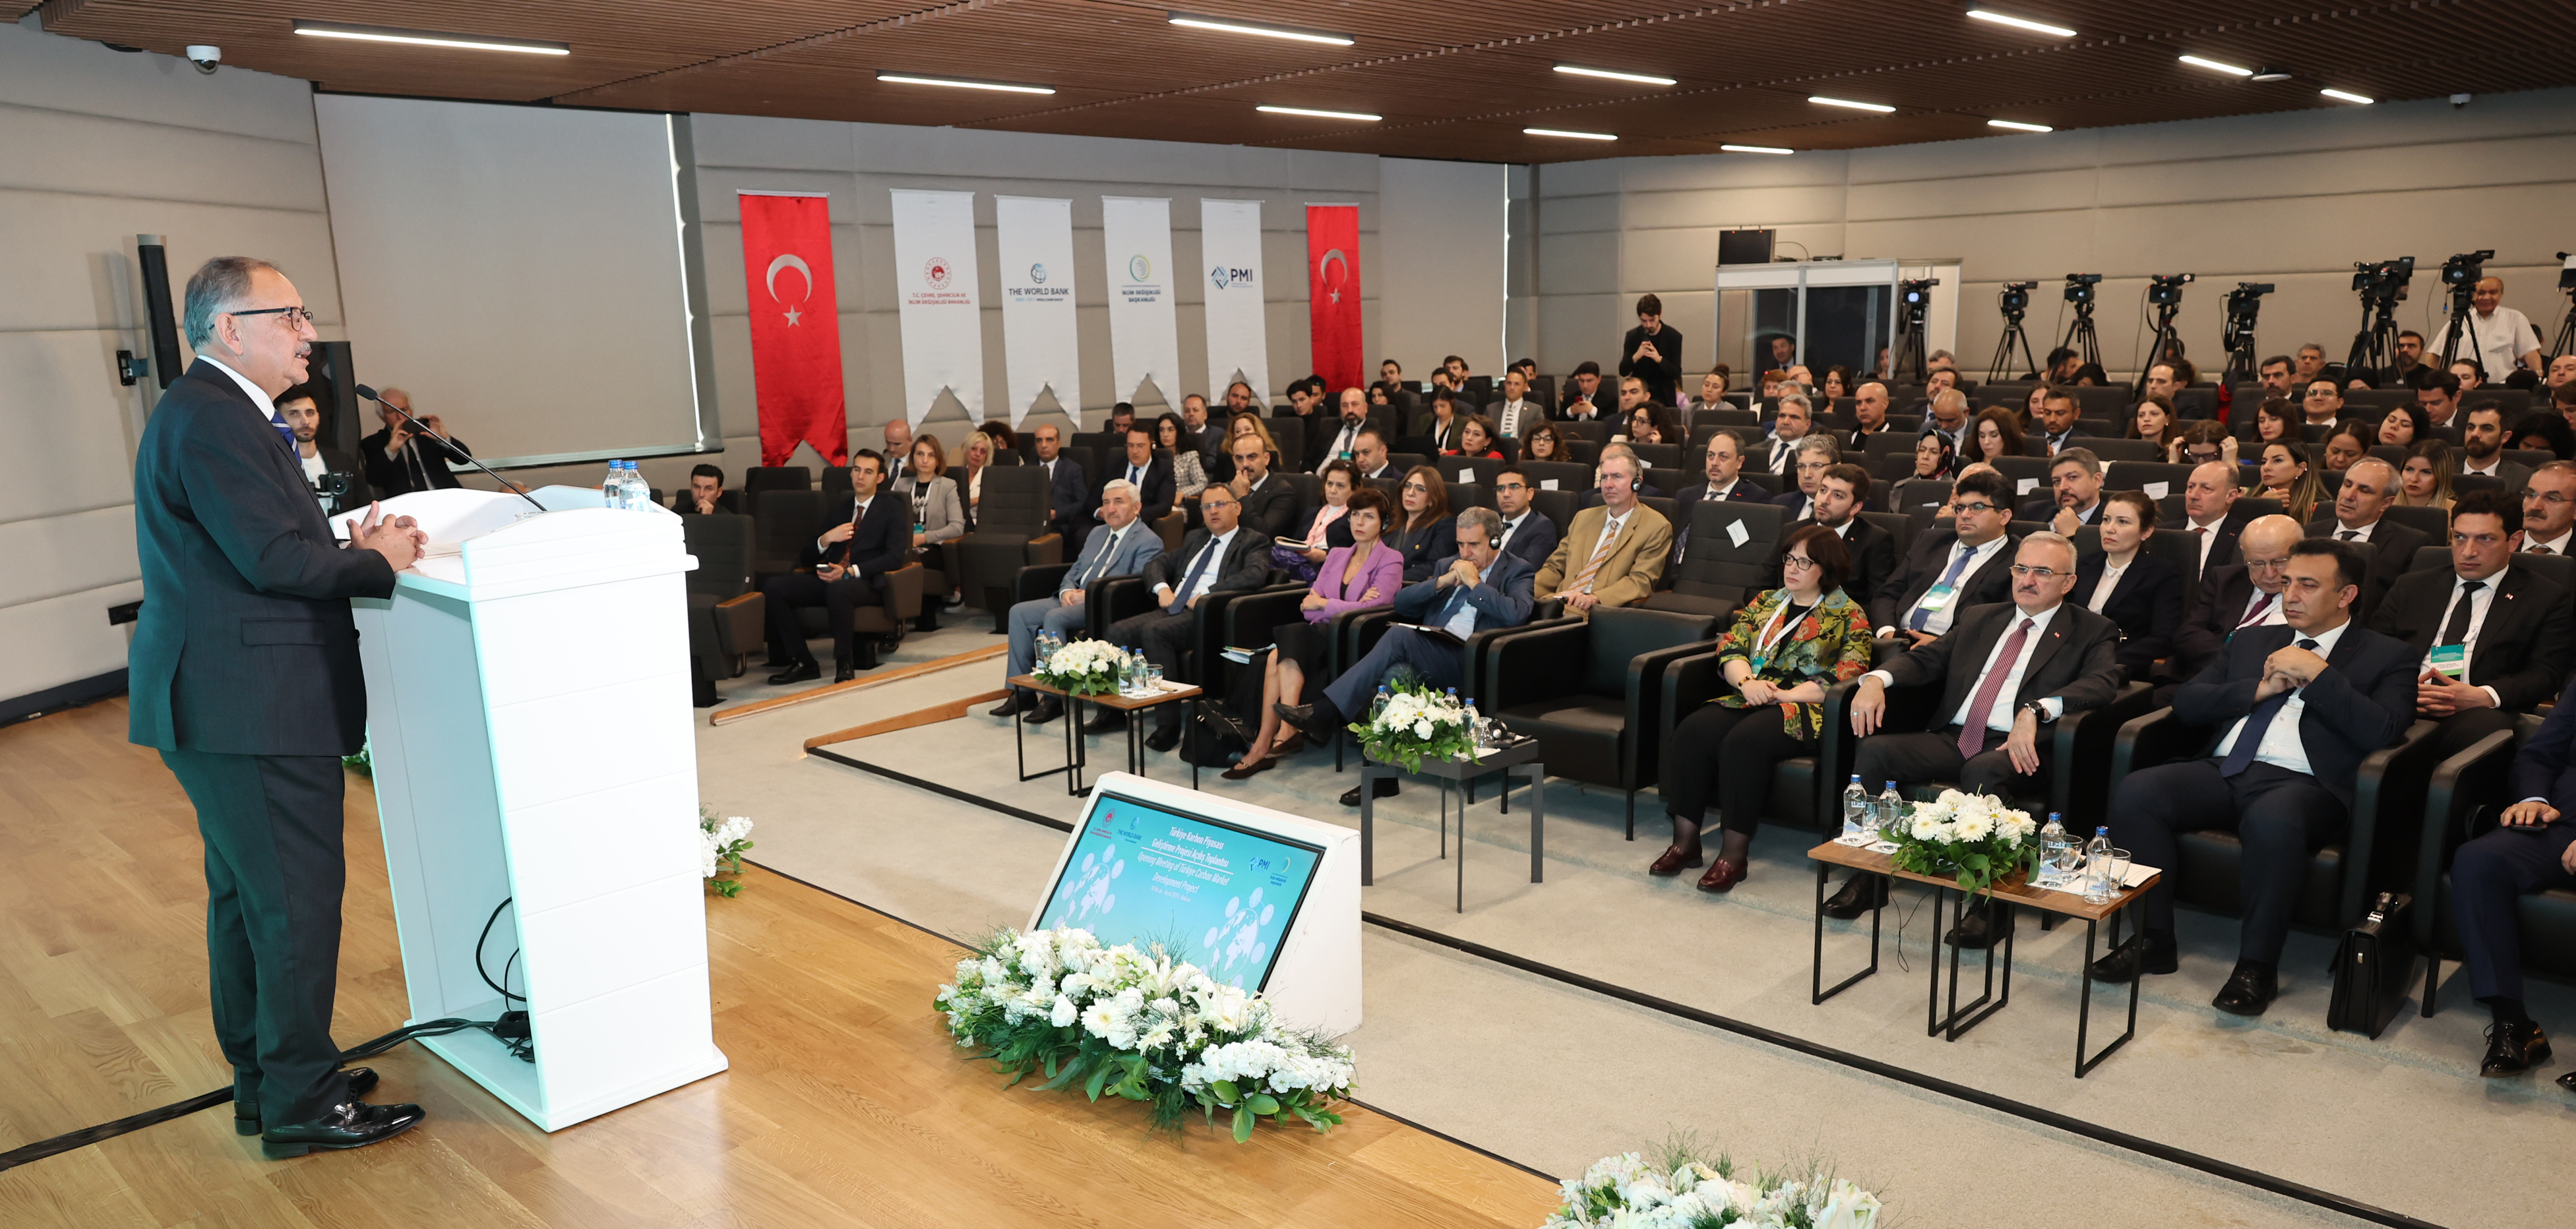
1520, 756
1076, 751
2008, 895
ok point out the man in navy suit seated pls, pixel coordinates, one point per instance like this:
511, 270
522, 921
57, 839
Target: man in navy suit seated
1475, 590
1527, 534
2292, 711
2534, 850
1123, 548
1069, 489
849, 562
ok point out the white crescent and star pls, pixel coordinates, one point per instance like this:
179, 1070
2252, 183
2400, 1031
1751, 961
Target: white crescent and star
1335, 295
790, 260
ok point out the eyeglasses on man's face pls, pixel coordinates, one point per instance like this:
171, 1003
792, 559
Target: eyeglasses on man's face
1966, 509
2023, 569
297, 317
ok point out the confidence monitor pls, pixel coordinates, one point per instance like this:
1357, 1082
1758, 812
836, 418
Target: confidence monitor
1257, 898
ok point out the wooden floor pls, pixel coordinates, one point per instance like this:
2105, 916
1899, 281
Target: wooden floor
845, 1104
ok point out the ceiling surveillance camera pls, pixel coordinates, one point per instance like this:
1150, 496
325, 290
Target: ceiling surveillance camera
205, 56
2458, 101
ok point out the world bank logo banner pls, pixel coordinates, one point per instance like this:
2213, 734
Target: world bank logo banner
1238, 333
1039, 344
937, 301
1144, 339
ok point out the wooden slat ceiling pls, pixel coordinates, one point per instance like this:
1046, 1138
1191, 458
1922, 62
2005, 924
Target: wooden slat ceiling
1452, 78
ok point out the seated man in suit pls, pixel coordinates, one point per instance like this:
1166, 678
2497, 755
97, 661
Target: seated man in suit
1343, 439
2075, 493
1950, 570
1790, 423
2291, 711
1814, 454
849, 562
2549, 508
2232, 596
1869, 406
1068, 488
1369, 458
706, 493
1477, 589
1121, 548
1616, 448
399, 459
1613, 554
1222, 555
1516, 412
1840, 495
1526, 533
1149, 474
1269, 503
2491, 640
2532, 849
2006, 671
2210, 515
1725, 464
2360, 509
1585, 399
1945, 414
2482, 448
2057, 422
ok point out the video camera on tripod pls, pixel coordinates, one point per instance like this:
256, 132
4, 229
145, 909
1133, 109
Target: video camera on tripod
2014, 301
2382, 286
2383, 280
2079, 288
2165, 290
1914, 295
2461, 274
2243, 304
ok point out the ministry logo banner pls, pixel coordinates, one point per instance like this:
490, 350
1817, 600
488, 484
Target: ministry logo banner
1237, 324
1040, 347
937, 300
1144, 340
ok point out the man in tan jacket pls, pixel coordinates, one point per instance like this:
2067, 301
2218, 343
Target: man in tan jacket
1613, 554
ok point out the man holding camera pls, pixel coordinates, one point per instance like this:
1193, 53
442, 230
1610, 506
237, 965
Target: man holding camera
399, 461
1653, 353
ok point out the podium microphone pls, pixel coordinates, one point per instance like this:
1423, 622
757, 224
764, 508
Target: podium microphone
423, 429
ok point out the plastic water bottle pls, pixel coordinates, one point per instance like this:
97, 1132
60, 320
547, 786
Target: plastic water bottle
613, 488
1378, 705
2097, 867
1891, 810
1476, 727
2056, 854
639, 493
1856, 814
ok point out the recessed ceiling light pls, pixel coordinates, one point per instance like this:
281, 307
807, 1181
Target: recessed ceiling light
963, 84
427, 38
2269, 74
1845, 102
2215, 66
1560, 132
2020, 23
1756, 149
1241, 27
1607, 75
2348, 97
2018, 126
1320, 114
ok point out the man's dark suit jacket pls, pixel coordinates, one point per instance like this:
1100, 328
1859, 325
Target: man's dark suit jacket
2542, 769
1320, 435
1157, 493
402, 474
1794, 501
2523, 647
2036, 443
1271, 507
245, 645
1873, 557
1924, 564
1503, 597
2045, 510
2363, 701
687, 505
2224, 590
1245, 564
2147, 605
880, 543
2075, 659
1532, 543
2391, 549
1069, 499
1745, 490
2228, 529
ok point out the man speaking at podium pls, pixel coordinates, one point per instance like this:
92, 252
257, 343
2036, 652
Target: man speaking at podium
244, 675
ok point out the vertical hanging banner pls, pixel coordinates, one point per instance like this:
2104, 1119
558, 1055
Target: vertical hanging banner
1039, 345
1144, 340
936, 299
1333, 292
1237, 326
795, 324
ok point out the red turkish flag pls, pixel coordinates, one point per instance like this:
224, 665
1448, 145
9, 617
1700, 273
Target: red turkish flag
1333, 292
795, 325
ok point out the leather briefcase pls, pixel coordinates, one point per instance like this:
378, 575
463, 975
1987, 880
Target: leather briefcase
2374, 968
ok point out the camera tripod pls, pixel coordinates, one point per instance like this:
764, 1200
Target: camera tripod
2000, 369
2566, 343
2462, 300
2166, 347
2374, 348
1910, 352
2080, 336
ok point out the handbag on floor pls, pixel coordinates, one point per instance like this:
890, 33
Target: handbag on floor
2374, 968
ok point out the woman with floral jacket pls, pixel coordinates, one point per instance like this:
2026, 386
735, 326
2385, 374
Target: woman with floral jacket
1786, 648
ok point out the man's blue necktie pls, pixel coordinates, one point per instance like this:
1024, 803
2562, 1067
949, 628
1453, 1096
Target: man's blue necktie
1949, 579
1190, 583
2241, 756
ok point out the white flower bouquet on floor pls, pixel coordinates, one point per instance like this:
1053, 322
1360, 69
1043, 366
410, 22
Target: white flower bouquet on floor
1629, 1192
1142, 1026
1082, 667
720, 848
1974, 837
1416, 724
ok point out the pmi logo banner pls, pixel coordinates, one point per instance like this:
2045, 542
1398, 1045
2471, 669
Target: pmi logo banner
1223, 276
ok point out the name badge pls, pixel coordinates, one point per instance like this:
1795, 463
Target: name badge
2451, 659
1936, 598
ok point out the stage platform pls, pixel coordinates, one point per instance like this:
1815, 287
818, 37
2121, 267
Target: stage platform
845, 1105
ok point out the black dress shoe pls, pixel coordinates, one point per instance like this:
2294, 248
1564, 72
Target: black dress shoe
1011, 706
2136, 955
2513, 1048
1385, 789
801, 672
350, 1124
1302, 716
2568, 1081
1046, 709
1977, 928
1860, 894
246, 1113
1164, 739
842, 673
1104, 720
2249, 990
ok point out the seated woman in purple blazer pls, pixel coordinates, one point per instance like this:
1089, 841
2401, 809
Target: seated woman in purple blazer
1356, 577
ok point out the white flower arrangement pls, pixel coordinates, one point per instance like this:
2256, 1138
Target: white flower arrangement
1629, 1192
1082, 667
720, 850
1142, 1026
1975, 837
1417, 724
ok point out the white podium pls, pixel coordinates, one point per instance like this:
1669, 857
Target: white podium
528, 709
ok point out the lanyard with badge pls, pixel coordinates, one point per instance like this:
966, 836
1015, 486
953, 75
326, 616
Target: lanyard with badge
1772, 634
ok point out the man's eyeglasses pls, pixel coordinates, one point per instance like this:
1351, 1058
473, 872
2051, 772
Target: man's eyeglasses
2267, 565
2021, 569
296, 316
1973, 508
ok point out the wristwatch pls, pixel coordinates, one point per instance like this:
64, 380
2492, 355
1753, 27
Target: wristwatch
2038, 709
